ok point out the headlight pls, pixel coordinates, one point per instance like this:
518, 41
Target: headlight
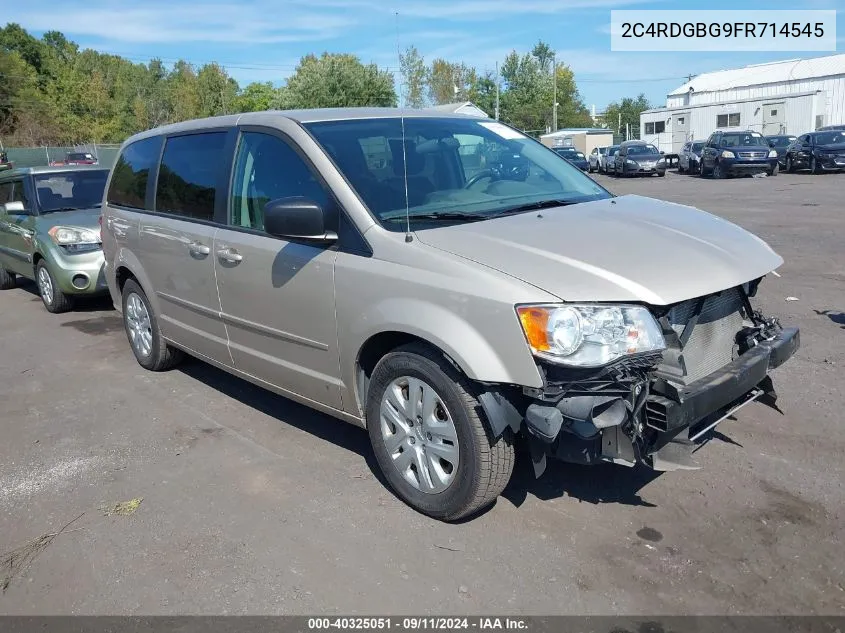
660, 161
589, 335
728, 154
773, 154
75, 239
632, 162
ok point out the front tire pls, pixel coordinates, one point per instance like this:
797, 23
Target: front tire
718, 172
54, 299
790, 166
429, 438
774, 171
814, 166
7, 280
141, 325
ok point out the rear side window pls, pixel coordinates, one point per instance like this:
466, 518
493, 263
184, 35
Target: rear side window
187, 178
131, 173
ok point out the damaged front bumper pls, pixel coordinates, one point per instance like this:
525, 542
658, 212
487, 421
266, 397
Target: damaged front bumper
627, 413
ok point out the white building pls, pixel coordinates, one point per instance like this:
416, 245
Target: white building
582, 139
789, 97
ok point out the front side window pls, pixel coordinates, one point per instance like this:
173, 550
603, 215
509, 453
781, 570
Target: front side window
187, 178
131, 173
267, 168
448, 168
14, 191
70, 190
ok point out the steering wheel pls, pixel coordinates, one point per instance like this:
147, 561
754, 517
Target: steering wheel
484, 173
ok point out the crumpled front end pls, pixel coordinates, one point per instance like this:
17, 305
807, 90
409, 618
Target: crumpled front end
655, 407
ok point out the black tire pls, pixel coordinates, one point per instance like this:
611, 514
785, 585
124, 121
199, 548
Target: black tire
484, 465
660, 174
790, 166
7, 280
680, 168
162, 356
774, 171
56, 301
718, 172
814, 166
701, 171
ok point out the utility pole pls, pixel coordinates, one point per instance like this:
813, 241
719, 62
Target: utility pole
554, 90
497, 91
619, 124
689, 78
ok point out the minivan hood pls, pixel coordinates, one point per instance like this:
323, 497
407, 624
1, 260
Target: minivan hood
628, 248
81, 218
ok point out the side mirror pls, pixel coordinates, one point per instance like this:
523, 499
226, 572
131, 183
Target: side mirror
14, 208
296, 218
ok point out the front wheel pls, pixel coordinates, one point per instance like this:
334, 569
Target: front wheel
774, 171
718, 172
429, 438
54, 299
7, 280
790, 166
814, 166
141, 325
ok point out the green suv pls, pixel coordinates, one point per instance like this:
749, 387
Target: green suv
50, 231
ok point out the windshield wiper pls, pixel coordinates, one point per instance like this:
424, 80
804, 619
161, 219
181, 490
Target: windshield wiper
448, 216
62, 209
533, 206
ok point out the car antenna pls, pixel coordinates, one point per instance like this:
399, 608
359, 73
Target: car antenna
408, 236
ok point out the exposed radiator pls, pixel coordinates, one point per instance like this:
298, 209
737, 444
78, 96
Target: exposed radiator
711, 345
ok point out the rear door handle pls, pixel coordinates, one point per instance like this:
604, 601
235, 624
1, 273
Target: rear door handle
198, 248
229, 255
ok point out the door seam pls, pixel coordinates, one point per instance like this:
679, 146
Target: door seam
219, 301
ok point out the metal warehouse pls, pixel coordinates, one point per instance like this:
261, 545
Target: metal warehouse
788, 97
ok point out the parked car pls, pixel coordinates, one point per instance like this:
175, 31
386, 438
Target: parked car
595, 158
50, 232
449, 315
638, 158
818, 152
607, 159
5, 163
689, 160
574, 156
76, 158
737, 153
779, 143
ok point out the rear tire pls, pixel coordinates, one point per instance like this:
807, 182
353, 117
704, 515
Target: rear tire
484, 466
7, 280
140, 322
53, 298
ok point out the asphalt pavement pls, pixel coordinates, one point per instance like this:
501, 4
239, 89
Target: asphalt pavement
248, 503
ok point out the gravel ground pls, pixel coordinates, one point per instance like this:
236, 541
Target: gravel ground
253, 504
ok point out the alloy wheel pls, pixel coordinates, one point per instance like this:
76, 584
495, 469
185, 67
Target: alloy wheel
419, 434
139, 325
45, 285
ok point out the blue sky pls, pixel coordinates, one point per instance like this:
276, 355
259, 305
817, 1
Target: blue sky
262, 40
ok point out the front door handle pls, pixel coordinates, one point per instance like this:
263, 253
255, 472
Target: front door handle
198, 248
230, 255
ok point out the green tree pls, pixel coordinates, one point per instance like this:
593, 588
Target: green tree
257, 97
449, 82
618, 114
338, 80
414, 78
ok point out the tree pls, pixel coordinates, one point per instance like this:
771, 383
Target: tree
414, 77
257, 97
449, 82
339, 80
483, 93
626, 112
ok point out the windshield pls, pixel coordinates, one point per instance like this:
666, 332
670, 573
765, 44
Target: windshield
642, 150
743, 139
830, 138
70, 190
454, 166
697, 147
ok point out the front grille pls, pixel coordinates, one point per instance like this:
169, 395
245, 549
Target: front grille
711, 345
753, 154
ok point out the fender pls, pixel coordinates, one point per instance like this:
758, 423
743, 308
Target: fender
126, 258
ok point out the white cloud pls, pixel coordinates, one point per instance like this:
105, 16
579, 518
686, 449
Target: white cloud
160, 22
494, 9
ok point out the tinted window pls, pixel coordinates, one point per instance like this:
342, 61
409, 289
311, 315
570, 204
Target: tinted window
64, 191
830, 138
448, 165
132, 171
697, 147
190, 167
14, 191
5, 192
267, 168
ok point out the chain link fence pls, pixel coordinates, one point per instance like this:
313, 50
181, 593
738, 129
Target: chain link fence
43, 156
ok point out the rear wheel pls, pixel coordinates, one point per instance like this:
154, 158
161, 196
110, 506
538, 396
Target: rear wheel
429, 438
7, 280
54, 299
141, 325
